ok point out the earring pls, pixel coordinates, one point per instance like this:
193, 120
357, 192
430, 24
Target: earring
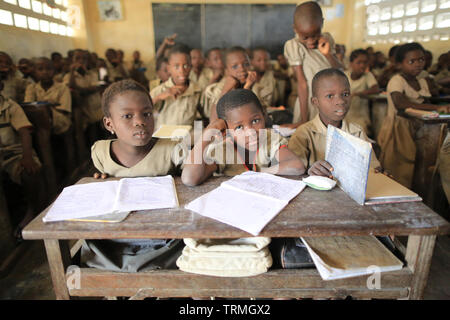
112, 132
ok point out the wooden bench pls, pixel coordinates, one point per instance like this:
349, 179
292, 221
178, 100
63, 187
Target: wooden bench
311, 213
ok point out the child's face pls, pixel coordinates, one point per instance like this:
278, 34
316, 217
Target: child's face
282, 61
5, 64
413, 63
44, 71
197, 59
332, 98
215, 60
308, 35
359, 64
238, 65
81, 58
131, 118
163, 72
179, 68
245, 123
260, 61
136, 55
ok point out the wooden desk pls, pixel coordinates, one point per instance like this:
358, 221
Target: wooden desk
311, 213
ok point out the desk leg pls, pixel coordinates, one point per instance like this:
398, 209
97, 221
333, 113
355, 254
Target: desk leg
419, 252
58, 255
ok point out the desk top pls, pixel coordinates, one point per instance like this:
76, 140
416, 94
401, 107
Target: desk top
311, 213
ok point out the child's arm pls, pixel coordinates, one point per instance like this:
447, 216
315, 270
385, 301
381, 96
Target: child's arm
173, 92
288, 164
302, 87
372, 90
196, 170
169, 40
27, 161
324, 47
321, 168
401, 102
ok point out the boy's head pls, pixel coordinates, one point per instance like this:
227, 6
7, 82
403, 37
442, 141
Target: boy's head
81, 57
243, 113
162, 69
57, 60
197, 59
179, 64
282, 61
260, 60
359, 60
214, 59
111, 55
44, 70
331, 95
308, 22
128, 112
392, 52
26, 66
136, 55
6, 65
411, 58
237, 63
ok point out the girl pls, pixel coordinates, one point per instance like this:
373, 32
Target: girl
247, 145
361, 84
405, 90
128, 113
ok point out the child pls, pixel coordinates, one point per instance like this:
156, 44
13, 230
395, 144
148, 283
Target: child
46, 89
241, 112
214, 63
405, 90
162, 73
18, 158
331, 96
308, 53
26, 67
128, 111
13, 86
390, 70
265, 85
177, 99
58, 64
199, 74
116, 70
362, 83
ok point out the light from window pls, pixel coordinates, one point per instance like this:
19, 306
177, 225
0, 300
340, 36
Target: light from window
372, 28
396, 26
62, 30
64, 16
426, 23
47, 10
444, 4
443, 20
58, 2
33, 23
20, 20
398, 11
25, 4
374, 13
65, 3
11, 1
386, 13
56, 13
36, 6
70, 31
412, 8
44, 25
410, 25
383, 28
54, 28
6, 17
428, 5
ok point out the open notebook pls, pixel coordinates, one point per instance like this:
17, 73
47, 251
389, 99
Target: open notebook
248, 201
350, 256
172, 132
111, 201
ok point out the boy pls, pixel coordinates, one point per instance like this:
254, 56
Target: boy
199, 74
331, 96
116, 70
177, 99
265, 86
162, 73
215, 66
308, 53
13, 86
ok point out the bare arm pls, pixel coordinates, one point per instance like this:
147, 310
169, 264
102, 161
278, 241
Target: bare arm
401, 102
288, 164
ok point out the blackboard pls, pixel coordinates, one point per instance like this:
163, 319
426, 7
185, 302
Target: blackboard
224, 25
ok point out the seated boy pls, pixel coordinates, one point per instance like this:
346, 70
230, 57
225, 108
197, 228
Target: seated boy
265, 86
161, 72
199, 74
13, 85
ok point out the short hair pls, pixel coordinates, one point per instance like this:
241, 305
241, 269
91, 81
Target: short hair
2, 53
392, 51
233, 50
324, 74
310, 10
118, 88
211, 50
358, 52
252, 52
54, 55
235, 99
160, 61
41, 59
179, 48
401, 52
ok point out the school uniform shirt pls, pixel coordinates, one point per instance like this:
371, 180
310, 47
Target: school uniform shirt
312, 61
14, 88
91, 104
359, 107
154, 83
309, 141
445, 73
164, 158
396, 137
12, 119
57, 93
211, 96
266, 89
229, 161
116, 72
203, 79
179, 111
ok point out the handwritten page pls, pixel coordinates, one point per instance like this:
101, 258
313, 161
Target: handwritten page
350, 158
248, 201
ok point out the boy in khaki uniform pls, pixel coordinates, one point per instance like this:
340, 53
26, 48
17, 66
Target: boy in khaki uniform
199, 74
13, 86
265, 86
162, 73
48, 90
177, 99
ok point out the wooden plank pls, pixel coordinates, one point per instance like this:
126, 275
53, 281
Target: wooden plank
58, 256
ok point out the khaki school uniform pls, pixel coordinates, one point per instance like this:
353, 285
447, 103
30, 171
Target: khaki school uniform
179, 111
444, 165
14, 88
203, 79
445, 73
57, 93
117, 72
211, 96
266, 89
396, 137
312, 62
230, 163
12, 119
154, 83
359, 107
133, 255
310, 140
91, 104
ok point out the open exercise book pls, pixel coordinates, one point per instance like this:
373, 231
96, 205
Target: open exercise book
248, 201
350, 256
172, 131
350, 158
112, 201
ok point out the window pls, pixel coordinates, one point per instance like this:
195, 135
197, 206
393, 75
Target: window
6, 17
33, 23
20, 20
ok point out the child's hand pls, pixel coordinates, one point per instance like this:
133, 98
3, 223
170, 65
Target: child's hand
213, 129
443, 109
231, 82
98, 175
251, 79
29, 165
324, 46
170, 40
321, 168
172, 92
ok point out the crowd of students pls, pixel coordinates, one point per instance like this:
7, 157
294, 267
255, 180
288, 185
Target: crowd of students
237, 93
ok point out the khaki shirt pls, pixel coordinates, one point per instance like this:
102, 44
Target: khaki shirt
230, 163
310, 139
312, 61
116, 72
203, 79
164, 158
179, 111
14, 88
12, 118
266, 89
154, 83
211, 96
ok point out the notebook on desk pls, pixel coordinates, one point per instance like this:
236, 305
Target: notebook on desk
172, 132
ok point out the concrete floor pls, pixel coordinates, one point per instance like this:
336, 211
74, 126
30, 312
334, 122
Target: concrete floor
30, 278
